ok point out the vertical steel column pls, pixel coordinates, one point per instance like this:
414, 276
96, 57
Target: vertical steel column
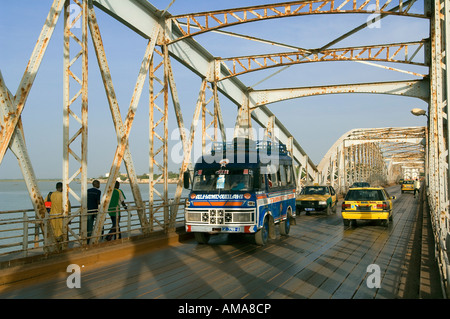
218, 114
243, 126
206, 124
156, 136
438, 191
166, 139
437, 108
340, 168
70, 26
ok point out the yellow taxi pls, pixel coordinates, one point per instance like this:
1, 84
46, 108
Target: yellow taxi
407, 186
316, 198
371, 203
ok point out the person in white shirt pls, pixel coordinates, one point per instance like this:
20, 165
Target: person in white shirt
416, 187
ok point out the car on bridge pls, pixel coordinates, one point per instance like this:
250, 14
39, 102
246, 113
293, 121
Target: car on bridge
373, 203
407, 186
317, 198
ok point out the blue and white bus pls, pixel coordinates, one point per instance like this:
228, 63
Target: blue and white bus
244, 187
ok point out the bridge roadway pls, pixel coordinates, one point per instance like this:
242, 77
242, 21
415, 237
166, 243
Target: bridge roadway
321, 258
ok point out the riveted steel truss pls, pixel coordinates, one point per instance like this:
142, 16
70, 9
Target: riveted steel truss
438, 135
76, 108
395, 52
370, 154
207, 21
376, 156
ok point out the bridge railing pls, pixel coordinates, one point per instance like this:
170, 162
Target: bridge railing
22, 234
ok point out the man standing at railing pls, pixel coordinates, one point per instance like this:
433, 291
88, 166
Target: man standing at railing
93, 200
117, 198
57, 214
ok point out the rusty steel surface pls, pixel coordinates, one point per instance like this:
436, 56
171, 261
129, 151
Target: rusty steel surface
395, 52
207, 21
320, 259
172, 37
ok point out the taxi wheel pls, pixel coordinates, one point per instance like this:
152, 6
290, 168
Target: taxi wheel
335, 208
328, 210
346, 222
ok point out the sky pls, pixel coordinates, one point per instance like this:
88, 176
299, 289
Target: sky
315, 122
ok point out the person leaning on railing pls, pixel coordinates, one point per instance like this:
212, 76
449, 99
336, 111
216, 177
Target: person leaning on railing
57, 214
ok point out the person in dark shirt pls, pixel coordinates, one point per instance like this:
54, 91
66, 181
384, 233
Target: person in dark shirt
93, 201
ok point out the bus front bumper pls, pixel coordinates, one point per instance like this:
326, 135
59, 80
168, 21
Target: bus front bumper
221, 228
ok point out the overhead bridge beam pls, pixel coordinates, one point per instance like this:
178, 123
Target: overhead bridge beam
415, 88
406, 52
213, 20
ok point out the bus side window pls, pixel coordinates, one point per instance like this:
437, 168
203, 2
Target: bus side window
262, 182
282, 174
272, 180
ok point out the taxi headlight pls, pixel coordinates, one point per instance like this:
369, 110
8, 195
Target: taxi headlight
322, 202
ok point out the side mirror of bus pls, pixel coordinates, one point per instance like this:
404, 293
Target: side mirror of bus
186, 177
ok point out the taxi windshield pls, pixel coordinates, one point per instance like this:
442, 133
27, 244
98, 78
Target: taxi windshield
314, 190
364, 195
223, 179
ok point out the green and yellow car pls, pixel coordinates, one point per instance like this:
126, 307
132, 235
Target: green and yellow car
372, 203
316, 198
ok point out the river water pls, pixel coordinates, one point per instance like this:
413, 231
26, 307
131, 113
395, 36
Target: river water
14, 194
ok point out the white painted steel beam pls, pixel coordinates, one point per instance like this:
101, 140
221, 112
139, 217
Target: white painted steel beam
415, 88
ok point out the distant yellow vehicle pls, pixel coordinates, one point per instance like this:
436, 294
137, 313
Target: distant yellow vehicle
317, 198
407, 186
372, 203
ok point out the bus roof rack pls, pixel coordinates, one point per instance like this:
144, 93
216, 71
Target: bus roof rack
247, 145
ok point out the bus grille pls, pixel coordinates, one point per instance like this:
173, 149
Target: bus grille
220, 216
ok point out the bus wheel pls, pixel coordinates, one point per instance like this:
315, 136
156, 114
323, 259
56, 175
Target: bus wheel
285, 226
202, 238
262, 234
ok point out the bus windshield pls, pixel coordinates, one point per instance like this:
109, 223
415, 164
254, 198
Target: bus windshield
223, 179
